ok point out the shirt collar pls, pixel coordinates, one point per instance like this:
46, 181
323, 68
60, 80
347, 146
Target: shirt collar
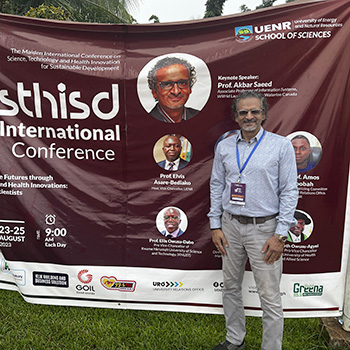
173, 234
255, 138
175, 162
167, 118
295, 238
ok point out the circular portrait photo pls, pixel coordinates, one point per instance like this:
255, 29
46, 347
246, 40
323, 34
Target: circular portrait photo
225, 136
303, 229
171, 222
308, 150
175, 87
172, 152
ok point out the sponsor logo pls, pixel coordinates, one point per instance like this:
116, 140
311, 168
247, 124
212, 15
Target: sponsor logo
174, 286
112, 283
50, 279
307, 290
218, 286
269, 31
167, 284
244, 34
84, 276
84, 289
4, 266
18, 274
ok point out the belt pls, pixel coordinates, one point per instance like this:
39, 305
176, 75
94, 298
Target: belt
249, 220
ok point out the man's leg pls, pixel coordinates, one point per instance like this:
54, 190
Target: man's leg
233, 271
267, 279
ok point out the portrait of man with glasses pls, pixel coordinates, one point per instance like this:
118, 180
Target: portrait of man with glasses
171, 81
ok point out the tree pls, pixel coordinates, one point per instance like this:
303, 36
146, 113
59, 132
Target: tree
49, 12
244, 8
266, 3
154, 18
102, 11
214, 8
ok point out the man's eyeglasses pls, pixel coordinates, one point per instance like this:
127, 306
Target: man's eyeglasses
168, 85
167, 217
253, 112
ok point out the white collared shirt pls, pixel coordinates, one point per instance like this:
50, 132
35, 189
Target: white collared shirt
173, 234
175, 162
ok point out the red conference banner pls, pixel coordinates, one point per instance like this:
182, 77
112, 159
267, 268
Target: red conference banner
86, 192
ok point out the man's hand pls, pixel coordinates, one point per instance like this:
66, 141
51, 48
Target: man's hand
219, 240
273, 249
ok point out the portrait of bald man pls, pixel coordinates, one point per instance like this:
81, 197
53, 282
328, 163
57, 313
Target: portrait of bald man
172, 220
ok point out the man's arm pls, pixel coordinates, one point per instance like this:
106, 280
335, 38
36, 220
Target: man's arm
217, 186
219, 240
288, 187
273, 249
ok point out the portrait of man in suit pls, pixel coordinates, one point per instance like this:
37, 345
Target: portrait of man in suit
172, 219
172, 152
172, 147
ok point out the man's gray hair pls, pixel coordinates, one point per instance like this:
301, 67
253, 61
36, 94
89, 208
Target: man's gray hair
166, 62
251, 94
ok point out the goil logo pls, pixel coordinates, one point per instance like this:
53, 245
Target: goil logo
84, 276
244, 34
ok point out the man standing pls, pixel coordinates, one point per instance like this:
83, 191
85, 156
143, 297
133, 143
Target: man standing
172, 221
172, 149
171, 81
254, 193
296, 233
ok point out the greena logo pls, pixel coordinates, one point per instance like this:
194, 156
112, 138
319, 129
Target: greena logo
307, 290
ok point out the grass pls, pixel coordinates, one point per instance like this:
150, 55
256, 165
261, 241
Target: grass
44, 327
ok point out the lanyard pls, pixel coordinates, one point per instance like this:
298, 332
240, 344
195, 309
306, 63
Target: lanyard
247, 160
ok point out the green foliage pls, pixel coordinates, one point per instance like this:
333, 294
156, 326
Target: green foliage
4, 6
244, 8
49, 12
27, 326
154, 18
214, 8
266, 3
101, 11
